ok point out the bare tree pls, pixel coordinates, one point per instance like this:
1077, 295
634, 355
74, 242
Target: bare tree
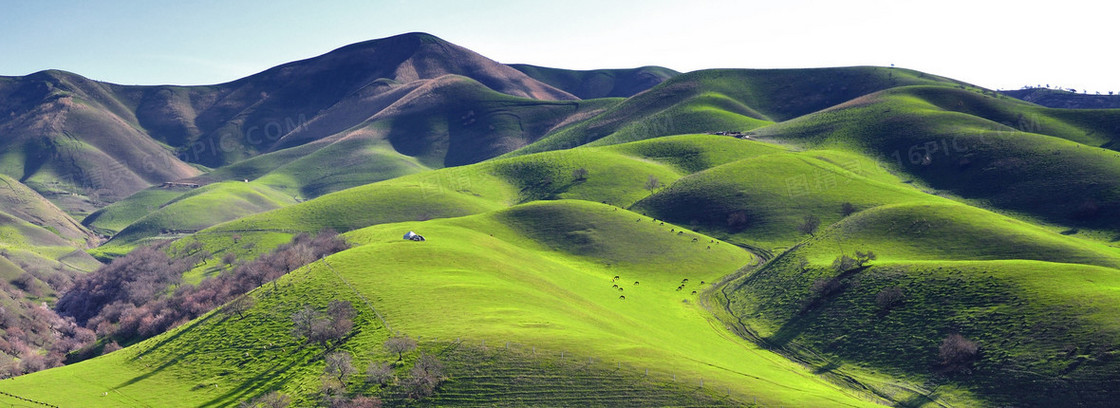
400, 344
809, 225
802, 263
843, 263
425, 376
579, 174
379, 373
738, 220
111, 347
311, 325
322, 332
862, 258
652, 183
271, 400
889, 298
229, 258
341, 314
303, 321
957, 352
339, 365
826, 286
361, 401
340, 310
240, 305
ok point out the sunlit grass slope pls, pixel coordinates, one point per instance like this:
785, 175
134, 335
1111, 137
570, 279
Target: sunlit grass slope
537, 274
1034, 301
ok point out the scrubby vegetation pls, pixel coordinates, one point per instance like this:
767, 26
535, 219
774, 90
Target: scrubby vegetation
141, 294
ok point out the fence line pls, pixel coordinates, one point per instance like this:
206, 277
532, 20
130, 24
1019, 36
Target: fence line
28, 399
356, 292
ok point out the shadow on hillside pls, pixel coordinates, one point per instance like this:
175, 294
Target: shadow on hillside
278, 373
250, 387
789, 331
170, 362
917, 401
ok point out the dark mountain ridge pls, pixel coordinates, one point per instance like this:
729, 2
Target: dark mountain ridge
1061, 99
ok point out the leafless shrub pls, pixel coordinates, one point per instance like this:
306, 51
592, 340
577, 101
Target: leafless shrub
889, 298
957, 353
339, 365
380, 373
809, 225
425, 376
400, 344
271, 400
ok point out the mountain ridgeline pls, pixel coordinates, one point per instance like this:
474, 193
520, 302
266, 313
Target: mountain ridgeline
853, 236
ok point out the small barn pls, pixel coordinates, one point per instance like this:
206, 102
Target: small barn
412, 236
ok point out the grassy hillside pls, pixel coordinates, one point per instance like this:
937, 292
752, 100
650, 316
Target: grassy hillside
759, 201
1032, 300
348, 163
996, 151
119, 215
615, 175
535, 275
574, 246
26, 204
193, 211
728, 100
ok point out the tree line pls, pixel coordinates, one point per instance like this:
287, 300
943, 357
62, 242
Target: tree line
129, 299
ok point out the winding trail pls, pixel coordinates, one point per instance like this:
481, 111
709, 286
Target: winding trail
803, 356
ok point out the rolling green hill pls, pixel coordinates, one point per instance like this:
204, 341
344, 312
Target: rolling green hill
1030, 299
193, 211
998, 152
443, 122
500, 276
729, 100
669, 239
615, 175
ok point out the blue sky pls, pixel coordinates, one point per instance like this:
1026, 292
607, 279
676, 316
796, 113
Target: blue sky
992, 44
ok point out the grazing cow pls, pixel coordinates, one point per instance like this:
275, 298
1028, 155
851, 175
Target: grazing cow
620, 289
622, 298
638, 220
684, 280
694, 292
662, 223
614, 286
672, 230
679, 288
701, 282
680, 232
709, 247
694, 240
615, 278
635, 283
